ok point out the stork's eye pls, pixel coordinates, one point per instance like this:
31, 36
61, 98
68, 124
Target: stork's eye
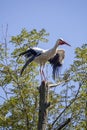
61, 42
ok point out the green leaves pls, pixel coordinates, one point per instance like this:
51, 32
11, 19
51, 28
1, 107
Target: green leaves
20, 93
81, 53
31, 38
19, 109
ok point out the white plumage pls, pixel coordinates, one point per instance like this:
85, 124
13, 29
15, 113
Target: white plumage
41, 56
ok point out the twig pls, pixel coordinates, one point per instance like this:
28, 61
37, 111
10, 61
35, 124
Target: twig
51, 85
64, 124
67, 106
5, 40
3, 98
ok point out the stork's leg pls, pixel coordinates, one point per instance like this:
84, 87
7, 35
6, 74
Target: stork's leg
42, 73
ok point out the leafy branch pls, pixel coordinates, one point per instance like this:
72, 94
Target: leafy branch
68, 105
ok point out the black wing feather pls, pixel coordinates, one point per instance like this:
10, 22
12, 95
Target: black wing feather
26, 64
56, 62
30, 54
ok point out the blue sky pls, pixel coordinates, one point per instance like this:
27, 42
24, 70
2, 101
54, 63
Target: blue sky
60, 18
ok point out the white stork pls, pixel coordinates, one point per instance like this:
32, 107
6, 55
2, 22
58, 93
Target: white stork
53, 56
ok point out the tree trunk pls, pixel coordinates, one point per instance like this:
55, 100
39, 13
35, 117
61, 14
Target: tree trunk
43, 105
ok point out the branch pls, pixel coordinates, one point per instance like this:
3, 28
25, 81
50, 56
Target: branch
68, 105
3, 98
51, 85
64, 124
5, 40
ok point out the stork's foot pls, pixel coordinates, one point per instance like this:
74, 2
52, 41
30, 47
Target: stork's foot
43, 79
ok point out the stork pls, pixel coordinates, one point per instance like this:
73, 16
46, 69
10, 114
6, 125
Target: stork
53, 56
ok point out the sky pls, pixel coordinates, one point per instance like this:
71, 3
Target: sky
65, 19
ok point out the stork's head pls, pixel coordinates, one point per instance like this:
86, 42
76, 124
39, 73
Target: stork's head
62, 42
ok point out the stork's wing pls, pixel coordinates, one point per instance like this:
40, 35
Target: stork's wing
57, 62
26, 64
30, 54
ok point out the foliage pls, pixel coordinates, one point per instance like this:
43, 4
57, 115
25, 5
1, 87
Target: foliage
74, 94
19, 106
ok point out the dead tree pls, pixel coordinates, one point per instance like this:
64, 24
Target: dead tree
43, 106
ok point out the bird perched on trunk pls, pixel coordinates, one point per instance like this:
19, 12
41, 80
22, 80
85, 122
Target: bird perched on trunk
53, 56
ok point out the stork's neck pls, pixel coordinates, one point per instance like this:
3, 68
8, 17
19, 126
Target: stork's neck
56, 45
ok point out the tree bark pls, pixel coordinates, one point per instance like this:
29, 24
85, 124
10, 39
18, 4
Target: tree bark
43, 105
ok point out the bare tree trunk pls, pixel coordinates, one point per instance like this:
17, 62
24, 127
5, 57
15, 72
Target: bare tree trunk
43, 105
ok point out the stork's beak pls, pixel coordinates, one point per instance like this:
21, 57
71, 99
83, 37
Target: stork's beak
66, 43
